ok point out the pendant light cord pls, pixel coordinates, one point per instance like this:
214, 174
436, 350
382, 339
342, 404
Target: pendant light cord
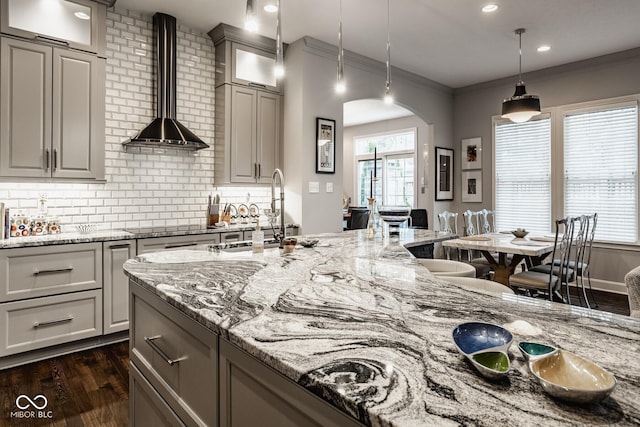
519, 32
388, 85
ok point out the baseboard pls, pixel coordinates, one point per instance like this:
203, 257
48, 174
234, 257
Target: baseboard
61, 349
608, 286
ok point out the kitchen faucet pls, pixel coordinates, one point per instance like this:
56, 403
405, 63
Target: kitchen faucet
281, 234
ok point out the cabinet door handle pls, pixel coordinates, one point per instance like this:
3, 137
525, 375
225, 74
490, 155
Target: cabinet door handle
259, 170
229, 237
37, 325
55, 159
52, 40
58, 270
255, 170
179, 245
47, 159
154, 347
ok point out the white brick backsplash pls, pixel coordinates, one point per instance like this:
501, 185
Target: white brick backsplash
144, 187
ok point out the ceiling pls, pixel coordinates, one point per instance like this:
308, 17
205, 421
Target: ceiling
450, 41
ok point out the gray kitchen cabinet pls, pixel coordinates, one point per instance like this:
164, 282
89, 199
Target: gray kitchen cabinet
177, 357
246, 382
248, 108
51, 113
116, 285
49, 295
251, 134
155, 244
77, 24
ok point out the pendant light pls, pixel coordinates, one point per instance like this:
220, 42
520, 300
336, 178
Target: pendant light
251, 17
340, 84
279, 54
388, 98
521, 106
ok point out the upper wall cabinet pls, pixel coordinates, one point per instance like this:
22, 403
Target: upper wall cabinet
248, 109
244, 59
78, 24
51, 112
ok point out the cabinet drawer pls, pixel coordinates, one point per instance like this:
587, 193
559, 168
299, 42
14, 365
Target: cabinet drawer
155, 244
177, 355
42, 322
147, 408
49, 270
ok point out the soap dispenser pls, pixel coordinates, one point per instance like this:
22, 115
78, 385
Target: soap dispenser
257, 239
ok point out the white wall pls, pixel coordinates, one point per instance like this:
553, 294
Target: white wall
311, 94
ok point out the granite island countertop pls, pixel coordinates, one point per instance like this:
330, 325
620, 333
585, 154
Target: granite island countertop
360, 323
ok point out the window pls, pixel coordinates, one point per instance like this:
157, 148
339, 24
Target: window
395, 170
523, 175
601, 170
574, 160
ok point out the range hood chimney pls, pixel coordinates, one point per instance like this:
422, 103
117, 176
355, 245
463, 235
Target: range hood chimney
165, 131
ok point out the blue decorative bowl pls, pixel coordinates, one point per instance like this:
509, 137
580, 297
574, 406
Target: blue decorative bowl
533, 350
473, 337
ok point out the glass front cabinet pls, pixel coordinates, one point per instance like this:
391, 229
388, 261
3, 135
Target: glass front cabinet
76, 24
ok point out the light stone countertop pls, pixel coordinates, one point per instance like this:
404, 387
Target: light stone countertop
360, 323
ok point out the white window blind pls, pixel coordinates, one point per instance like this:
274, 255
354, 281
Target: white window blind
523, 175
601, 170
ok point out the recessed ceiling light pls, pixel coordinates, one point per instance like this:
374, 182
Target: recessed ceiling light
544, 48
490, 8
82, 15
270, 7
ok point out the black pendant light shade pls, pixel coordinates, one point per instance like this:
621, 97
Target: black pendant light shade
521, 106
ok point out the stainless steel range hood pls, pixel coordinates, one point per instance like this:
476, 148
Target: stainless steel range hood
165, 131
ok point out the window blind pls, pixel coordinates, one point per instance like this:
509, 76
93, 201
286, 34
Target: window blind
601, 170
523, 175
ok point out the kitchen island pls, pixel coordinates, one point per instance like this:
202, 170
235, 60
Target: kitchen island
361, 324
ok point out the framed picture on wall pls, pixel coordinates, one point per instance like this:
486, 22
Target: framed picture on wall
325, 145
472, 186
444, 173
471, 155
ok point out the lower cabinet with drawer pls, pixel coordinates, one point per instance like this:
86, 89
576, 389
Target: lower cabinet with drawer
184, 374
177, 356
154, 244
41, 322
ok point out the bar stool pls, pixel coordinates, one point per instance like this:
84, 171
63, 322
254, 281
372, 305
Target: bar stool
447, 267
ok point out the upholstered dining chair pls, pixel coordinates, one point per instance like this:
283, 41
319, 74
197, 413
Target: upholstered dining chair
418, 218
359, 219
549, 278
632, 280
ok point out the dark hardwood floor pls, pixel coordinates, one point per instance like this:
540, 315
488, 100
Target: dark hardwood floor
88, 388
91, 388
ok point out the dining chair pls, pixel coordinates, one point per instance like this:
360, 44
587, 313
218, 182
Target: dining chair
474, 225
418, 218
448, 222
549, 278
359, 219
632, 281
488, 221
584, 259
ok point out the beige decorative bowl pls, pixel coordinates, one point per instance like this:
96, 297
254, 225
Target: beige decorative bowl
572, 378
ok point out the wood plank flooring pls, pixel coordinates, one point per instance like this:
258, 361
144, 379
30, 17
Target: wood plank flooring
91, 388
88, 388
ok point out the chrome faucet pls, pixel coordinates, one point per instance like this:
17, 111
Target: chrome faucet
281, 234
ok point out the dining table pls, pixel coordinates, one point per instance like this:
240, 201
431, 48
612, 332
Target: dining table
533, 249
